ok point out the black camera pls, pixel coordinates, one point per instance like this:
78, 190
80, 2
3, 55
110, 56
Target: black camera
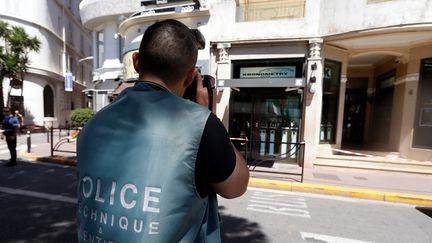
191, 91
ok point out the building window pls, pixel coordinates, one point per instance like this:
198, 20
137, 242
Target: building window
100, 49
72, 67
121, 46
82, 44
81, 68
330, 101
423, 118
59, 25
70, 33
256, 10
48, 101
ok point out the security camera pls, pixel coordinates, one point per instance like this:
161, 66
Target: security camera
398, 60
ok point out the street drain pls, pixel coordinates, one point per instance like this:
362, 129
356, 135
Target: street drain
425, 210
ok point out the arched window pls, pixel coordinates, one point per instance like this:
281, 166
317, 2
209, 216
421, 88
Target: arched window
48, 102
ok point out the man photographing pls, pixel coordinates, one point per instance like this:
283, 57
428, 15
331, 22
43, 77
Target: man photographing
151, 163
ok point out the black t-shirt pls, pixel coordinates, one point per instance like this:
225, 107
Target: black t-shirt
216, 158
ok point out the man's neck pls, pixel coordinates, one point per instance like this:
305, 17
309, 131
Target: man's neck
158, 81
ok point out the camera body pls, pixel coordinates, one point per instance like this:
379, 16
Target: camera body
191, 91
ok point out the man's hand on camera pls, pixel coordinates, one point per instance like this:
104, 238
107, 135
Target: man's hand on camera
202, 96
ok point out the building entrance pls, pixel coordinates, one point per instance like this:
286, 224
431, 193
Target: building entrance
354, 117
269, 118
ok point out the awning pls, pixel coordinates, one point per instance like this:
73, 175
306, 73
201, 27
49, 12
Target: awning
92, 86
109, 84
261, 82
103, 85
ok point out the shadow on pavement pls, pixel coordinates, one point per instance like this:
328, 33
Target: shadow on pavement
425, 210
36, 220
240, 230
29, 211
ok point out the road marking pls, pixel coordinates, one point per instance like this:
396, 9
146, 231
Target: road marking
291, 204
311, 237
329, 197
42, 195
279, 211
20, 148
273, 202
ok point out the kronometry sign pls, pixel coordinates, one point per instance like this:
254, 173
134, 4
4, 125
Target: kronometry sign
268, 72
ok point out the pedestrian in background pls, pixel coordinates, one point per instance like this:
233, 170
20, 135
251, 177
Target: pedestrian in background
153, 161
20, 119
10, 127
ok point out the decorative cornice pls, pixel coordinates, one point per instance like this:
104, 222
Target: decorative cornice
315, 48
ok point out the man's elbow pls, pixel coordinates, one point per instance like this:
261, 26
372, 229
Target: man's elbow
234, 194
236, 190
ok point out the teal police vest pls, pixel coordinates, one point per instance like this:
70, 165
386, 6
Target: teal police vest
136, 162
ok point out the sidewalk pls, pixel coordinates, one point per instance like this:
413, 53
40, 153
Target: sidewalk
377, 185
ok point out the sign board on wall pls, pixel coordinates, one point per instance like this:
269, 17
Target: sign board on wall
268, 72
68, 82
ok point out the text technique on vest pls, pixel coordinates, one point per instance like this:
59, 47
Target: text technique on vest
111, 196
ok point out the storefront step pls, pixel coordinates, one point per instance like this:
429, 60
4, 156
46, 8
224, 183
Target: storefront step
374, 165
376, 159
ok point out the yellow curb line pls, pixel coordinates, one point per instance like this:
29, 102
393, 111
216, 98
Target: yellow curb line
56, 160
301, 187
408, 198
342, 191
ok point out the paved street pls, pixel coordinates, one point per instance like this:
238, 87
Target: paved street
38, 202
278, 216
36, 138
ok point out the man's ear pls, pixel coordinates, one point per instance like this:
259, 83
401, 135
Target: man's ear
190, 77
135, 61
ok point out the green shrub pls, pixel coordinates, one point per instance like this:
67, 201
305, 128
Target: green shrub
79, 117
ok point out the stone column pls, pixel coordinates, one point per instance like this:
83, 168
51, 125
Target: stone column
223, 71
112, 66
341, 107
313, 102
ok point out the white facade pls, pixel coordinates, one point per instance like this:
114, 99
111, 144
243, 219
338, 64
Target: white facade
64, 42
373, 50
102, 18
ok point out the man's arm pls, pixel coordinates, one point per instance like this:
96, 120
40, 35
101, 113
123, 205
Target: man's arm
236, 184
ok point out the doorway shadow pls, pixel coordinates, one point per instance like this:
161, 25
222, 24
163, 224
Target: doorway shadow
240, 230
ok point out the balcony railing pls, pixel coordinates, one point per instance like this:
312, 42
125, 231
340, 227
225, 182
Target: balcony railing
256, 10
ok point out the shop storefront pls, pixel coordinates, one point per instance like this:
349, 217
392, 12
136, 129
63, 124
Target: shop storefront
261, 99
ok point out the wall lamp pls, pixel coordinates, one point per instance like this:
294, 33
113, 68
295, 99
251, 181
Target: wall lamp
312, 79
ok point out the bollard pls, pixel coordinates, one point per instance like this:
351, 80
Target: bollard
28, 141
52, 145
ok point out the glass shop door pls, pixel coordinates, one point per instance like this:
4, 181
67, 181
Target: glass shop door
269, 119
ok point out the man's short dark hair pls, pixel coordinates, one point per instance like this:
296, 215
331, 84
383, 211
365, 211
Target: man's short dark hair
168, 50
